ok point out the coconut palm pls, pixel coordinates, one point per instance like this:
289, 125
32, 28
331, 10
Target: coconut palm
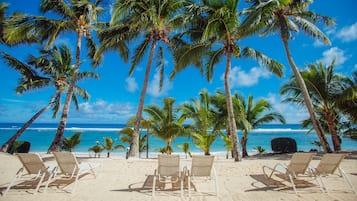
145, 124
203, 120
326, 89
185, 147
97, 149
77, 16
128, 138
218, 29
56, 70
109, 145
3, 7
165, 124
227, 143
285, 17
257, 113
151, 21
71, 142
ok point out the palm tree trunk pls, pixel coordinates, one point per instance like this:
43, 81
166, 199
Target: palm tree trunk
134, 151
334, 137
244, 145
307, 99
11, 141
57, 140
231, 120
147, 143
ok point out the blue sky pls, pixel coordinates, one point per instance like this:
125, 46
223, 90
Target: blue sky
114, 96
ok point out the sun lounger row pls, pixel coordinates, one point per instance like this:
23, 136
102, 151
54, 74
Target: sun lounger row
34, 171
299, 166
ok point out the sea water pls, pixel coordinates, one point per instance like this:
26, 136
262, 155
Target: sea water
40, 135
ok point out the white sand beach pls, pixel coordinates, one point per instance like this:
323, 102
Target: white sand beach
120, 179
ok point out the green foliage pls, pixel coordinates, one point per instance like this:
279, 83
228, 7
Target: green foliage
109, 146
185, 147
71, 142
227, 144
260, 149
164, 122
97, 149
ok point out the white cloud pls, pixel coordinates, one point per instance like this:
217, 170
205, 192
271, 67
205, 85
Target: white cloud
241, 78
348, 33
154, 86
318, 43
290, 111
103, 111
131, 84
334, 53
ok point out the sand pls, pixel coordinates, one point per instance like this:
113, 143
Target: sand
121, 179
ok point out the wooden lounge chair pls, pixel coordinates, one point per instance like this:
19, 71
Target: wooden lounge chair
202, 169
327, 167
33, 171
71, 169
298, 165
167, 172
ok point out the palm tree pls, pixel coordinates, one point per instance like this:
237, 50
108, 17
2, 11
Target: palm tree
218, 27
109, 145
227, 143
326, 90
128, 138
56, 68
204, 118
257, 114
3, 7
151, 21
71, 142
145, 124
185, 147
76, 16
97, 149
165, 124
285, 17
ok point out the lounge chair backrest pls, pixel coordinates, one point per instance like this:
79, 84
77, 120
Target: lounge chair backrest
300, 162
168, 165
202, 165
67, 162
329, 163
32, 163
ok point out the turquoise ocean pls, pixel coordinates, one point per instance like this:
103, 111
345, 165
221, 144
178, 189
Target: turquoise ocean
40, 135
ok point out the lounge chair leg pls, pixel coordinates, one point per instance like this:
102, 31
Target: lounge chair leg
189, 186
292, 183
39, 183
343, 174
18, 175
154, 186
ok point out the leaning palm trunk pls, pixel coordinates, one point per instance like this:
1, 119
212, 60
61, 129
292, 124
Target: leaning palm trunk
231, 120
58, 139
11, 141
134, 149
307, 99
334, 137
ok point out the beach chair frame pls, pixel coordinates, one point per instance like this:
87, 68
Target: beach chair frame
33, 169
298, 165
70, 168
327, 167
202, 169
168, 171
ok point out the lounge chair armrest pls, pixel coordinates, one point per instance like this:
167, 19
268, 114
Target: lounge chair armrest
277, 168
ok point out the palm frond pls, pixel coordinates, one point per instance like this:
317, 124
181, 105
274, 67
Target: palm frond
272, 65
